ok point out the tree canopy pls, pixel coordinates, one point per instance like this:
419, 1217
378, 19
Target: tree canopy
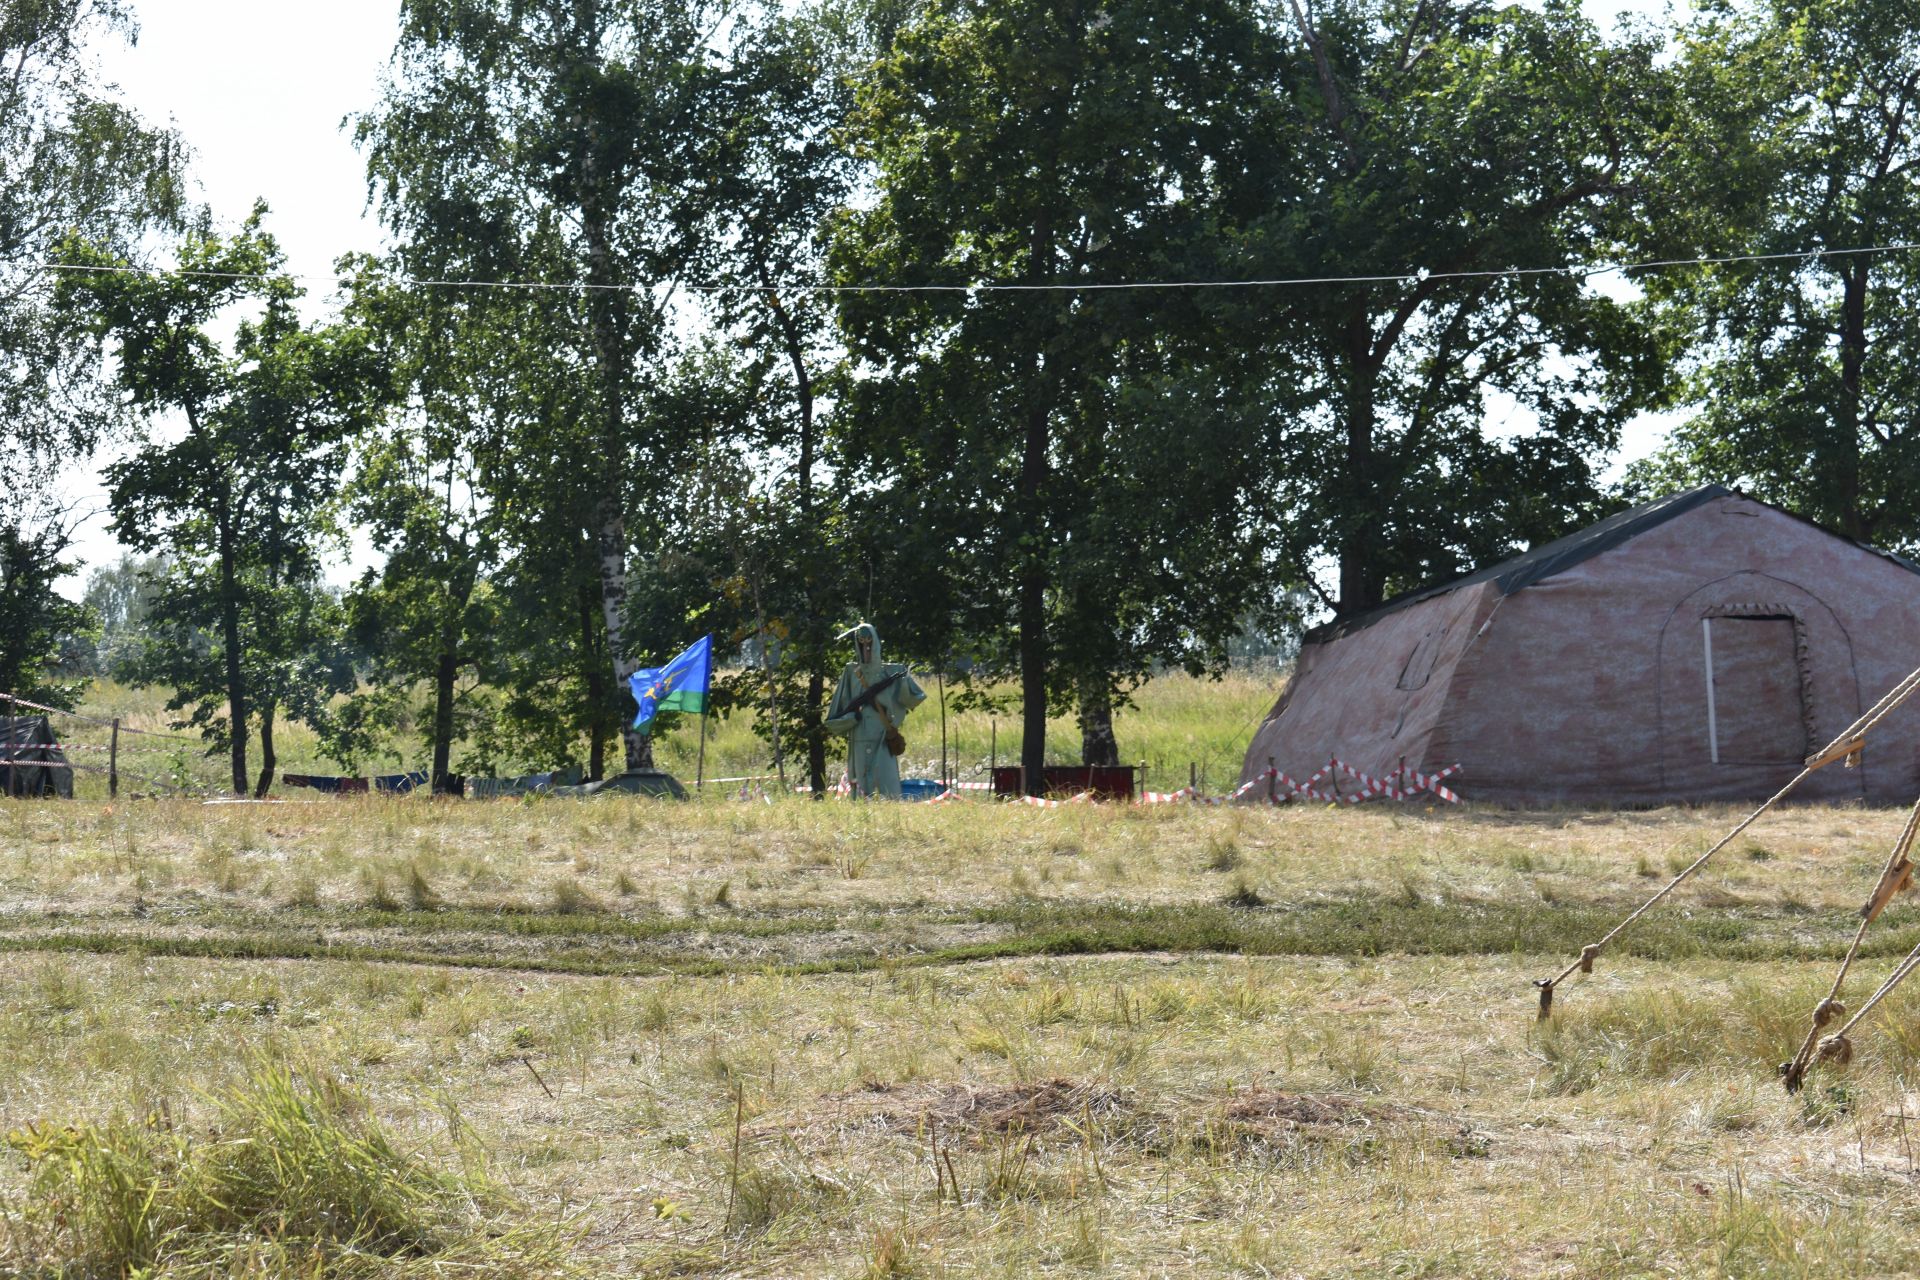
1068, 340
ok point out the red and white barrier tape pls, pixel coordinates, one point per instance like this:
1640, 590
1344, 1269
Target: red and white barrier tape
1286, 788
1399, 785
9, 698
1040, 802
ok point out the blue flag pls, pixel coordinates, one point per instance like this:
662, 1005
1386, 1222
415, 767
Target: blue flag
681, 685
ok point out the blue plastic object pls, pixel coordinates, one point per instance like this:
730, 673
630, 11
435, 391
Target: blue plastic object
919, 788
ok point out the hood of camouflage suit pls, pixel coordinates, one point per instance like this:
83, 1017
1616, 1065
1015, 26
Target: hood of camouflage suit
859, 630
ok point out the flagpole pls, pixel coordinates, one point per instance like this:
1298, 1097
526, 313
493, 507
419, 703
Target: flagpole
706, 697
700, 768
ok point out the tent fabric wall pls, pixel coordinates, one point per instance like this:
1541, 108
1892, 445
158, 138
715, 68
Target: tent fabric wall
31, 762
1374, 696
1591, 686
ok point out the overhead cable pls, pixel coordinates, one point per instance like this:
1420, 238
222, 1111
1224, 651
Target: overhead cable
1581, 271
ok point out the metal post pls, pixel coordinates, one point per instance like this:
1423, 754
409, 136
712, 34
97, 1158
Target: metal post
1193, 777
113, 761
1273, 782
993, 749
941, 678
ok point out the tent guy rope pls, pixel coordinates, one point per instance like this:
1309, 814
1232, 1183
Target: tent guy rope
1896, 875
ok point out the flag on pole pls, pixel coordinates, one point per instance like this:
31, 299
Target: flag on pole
681, 685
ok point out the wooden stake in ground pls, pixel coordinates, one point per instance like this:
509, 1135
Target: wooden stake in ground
733, 1180
700, 767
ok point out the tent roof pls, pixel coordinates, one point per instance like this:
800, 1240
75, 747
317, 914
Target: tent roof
1561, 554
24, 731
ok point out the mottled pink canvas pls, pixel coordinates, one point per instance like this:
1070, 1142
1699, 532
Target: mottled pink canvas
1592, 686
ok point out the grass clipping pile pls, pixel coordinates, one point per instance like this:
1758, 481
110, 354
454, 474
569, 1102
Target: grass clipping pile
293, 1173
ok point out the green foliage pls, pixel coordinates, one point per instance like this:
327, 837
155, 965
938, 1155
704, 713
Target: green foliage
1400, 139
121, 596
293, 1162
71, 159
552, 145
71, 156
42, 625
236, 503
1802, 131
1054, 477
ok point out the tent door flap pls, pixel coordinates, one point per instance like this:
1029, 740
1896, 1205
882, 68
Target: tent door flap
1755, 702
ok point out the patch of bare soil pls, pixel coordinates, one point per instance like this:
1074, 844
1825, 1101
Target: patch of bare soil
1276, 1107
1304, 1126
973, 1110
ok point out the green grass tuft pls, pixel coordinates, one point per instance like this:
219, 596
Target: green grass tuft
293, 1162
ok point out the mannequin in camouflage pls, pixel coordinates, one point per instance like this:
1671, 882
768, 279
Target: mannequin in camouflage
869, 705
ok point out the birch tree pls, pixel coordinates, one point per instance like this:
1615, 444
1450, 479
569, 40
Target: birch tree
516, 138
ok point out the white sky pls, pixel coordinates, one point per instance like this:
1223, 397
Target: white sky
259, 89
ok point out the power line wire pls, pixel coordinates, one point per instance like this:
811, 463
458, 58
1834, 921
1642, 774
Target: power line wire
1582, 271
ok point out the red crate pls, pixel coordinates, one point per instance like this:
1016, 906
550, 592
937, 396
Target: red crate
1105, 781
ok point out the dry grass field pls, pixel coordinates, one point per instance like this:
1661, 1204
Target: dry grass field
398, 1037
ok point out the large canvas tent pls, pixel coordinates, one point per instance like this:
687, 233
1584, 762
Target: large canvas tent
31, 762
1692, 649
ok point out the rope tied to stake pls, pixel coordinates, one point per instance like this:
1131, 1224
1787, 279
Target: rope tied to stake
1847, 747
1895, 876
1591, 952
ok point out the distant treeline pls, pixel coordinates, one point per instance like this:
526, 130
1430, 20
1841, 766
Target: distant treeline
755, 320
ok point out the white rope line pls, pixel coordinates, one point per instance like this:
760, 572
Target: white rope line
1894, 979
1878, 711
1582, 271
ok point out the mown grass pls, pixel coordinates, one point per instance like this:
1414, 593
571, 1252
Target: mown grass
779, 1037
1143, 1115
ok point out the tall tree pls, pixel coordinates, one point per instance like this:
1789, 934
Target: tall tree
565, 126
234, 500
778, 172
121, 595
1052, 144
71, 158
424, 613
1805, 371
41, 624
1432, 147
